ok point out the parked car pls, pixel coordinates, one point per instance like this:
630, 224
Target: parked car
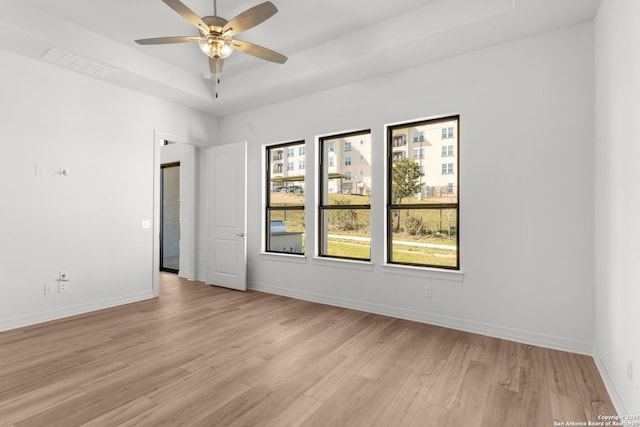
294, 189
297, 189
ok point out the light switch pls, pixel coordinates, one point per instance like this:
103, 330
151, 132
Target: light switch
146, 223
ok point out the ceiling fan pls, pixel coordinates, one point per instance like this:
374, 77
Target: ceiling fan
216, 34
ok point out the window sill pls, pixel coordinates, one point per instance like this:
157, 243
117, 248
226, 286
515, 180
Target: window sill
424, 272
282, 257
350, 264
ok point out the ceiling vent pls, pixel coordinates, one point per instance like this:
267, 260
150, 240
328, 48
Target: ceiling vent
76, 63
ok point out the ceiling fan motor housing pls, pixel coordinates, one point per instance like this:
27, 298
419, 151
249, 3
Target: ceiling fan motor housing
215, 24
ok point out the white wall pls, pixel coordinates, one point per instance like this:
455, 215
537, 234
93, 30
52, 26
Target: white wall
527, 181
617, 204
88, 223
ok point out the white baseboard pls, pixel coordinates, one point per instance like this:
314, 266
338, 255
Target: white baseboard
525, 337
59, 313
618, 403
187, 275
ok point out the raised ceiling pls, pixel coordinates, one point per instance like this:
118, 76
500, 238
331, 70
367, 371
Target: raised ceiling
328, 42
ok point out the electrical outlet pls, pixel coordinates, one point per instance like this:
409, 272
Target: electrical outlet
64, 287
427, 291
49, 288
630, 370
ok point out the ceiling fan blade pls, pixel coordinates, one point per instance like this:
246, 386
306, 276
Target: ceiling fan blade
250, 18
215, 65
167, 40
187, 14
258, 51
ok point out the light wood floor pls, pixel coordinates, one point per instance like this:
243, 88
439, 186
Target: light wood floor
206, 356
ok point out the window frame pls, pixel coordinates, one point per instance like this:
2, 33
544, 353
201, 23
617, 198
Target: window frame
390, 207
267, 192
321, 208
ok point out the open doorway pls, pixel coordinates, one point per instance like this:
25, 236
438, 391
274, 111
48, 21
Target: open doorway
170, 217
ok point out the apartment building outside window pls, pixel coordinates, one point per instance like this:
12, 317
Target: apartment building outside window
344, 212
422, 194
284, 228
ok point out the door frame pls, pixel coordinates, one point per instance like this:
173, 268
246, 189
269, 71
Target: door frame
161, 255
189, 179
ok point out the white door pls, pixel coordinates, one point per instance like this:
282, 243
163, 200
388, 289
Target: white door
227, 216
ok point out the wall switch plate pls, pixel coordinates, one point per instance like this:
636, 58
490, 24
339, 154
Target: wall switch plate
64, 287
63, 276
146, 223
427, 291
41, 170
49, 288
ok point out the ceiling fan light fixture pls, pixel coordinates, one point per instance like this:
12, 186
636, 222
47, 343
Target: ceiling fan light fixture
215, 47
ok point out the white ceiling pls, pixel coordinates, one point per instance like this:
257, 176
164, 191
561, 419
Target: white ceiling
328, 42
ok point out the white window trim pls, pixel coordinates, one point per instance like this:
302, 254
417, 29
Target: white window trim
278, 256
350, 264
284, 257
423, 272
402, 269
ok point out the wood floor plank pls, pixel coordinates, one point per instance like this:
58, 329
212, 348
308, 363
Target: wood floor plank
202, 356
472, 394
507, 365
447, 380
565, 408
296, 413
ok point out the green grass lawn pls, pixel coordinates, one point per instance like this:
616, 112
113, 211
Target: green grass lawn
417, 255
349, 249
401, 253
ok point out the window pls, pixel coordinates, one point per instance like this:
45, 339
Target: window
399, 140
418, 153
422, 204
300, 164
447, 168
347, 161
301, 151
447, 150
418, 137
345, 208
450, 188
285, 201
399, 156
